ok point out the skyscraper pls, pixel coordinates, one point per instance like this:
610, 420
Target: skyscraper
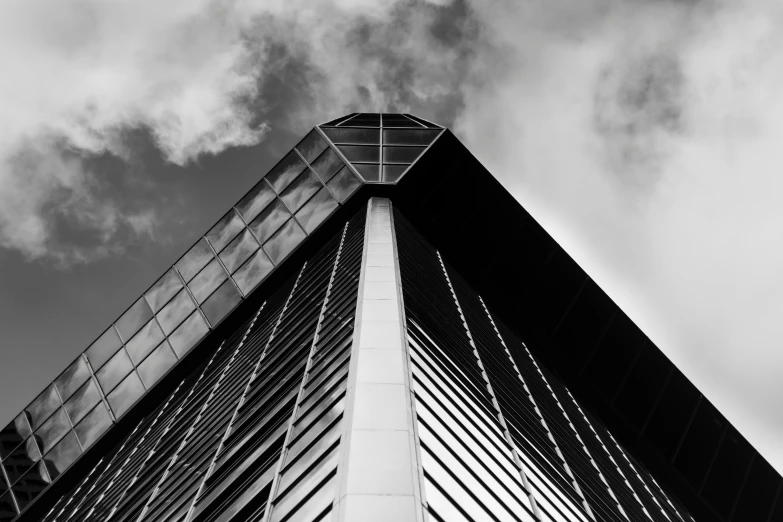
377, 331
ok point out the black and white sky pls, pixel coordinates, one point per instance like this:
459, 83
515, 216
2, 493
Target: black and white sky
644, 135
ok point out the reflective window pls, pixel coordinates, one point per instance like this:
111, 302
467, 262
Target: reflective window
93, 425
198, 256
144, 341
238, 251
256, 200
31, 485
361, 153
316, 210
286, 171
188, 334
132, 320
114, 371
64, 453
101, 350
401, 154
270, 220
21, 459
221, 302
50, 431
410, 136
225, 230
125, 395
327, 164
370, 172
284, 241
175, 311
207, 280
393, 172
43, 406
300, 190
7, 509
72, 378
163, 290
349, 135
365, 120
343, 184
157, 364
253, 272
13, 434
82, 401
311, 146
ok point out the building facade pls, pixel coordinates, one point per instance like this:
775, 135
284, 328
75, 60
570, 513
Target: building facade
377, 331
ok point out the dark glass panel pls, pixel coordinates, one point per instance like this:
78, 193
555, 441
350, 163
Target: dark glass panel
361, 153
82, 401
144, 341
93, 426
63, 455
370, 172
409, 137
311, 146
365, 120
286, 171
72, 378
31, 485
300, 190
207, 280
239, 250
175, 311
327, 164
101, 350
256, 200
7, 508
198, 256
270, 220
126, 394
341, 119
316, 210
308, 498
343, 184
163, 290
225, 230
43, 406
253, 272
393, 172
401, 154
322, 449
284, 241
350, 135
14, 434
188, 334
157, 364
115, 370
52, 430
132, 320
221, 302
20, 460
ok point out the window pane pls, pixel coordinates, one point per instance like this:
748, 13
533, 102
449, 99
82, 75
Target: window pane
316, 210
31, 485
144, 341
126, 394
175, 311
284, 241
221, 302
50, 432
132, 320
361, 153
365, 120
63, 455
7, 508
410, 136
311, 146
20, 460
225, 230
14, 434
207, 280
349, 135
368, 172
43, 406
93, 425
256, 200
327, 164
157, 364
163, 290
401, 154
188, 334
286, 171
82, 401
115, 370
253, 272
101, 350
270, 220
343, 184
393, 172
194, 260
300, 190
239, 250
72, 378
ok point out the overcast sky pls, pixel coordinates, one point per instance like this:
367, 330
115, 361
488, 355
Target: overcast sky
645, 135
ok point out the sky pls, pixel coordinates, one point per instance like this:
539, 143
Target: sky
644, 135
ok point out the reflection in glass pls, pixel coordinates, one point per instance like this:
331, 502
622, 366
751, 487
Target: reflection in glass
125, 395
270, 220
50, 432
14, 434
316, 210
43, 406
20, 460
327, 164
343, 184
225, 230
369, 171
31, 485
136, 317
63, 455
300, 190
238, 251
409, 137
7, 509
307, 499
393, 172
101, 350
163, 290
253, 272
188, 334
198, 256
221, 302
325, 451
349, 135
93, 425
72, 378
401, 154
175, 311
82, 401
207, 280
144, 341
284, 241
157, 364
361, 153
256, 200
311, 146
113, 372
285, 171
365, 120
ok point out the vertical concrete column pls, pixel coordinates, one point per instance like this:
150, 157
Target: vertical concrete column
379, 470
